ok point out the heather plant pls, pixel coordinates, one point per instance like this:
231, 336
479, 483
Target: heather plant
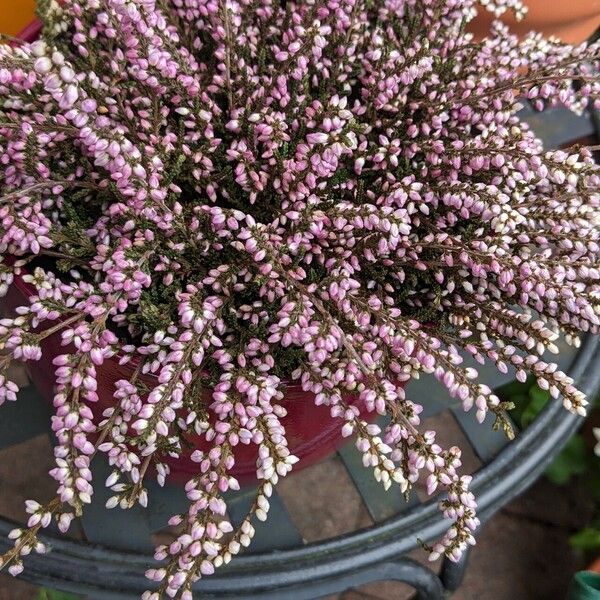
236, 195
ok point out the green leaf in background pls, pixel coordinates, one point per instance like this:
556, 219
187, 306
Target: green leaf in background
592, 479
513, 388
586, 539
46, 594
521, 401
528, 400
538, 398
518, 394
573, 460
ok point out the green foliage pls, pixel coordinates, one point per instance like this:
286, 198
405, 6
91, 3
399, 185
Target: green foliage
575, 460
538, 399
528, 400
587, 539
46, 594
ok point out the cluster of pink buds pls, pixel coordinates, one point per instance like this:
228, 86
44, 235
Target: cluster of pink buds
229, 197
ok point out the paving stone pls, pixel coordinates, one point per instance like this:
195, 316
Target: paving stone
18, 373
516, 559
323, 502
384, 590
24, 475
15, 589
450, 434
568, 506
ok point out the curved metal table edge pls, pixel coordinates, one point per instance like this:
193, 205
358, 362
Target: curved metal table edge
325, 567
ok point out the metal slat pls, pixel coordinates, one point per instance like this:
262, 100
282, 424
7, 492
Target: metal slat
131, 529
434, 398
430, 394
164, 502
486, 442
433, 395
24, 419
558, 126
115, 528
277, 533
380, 503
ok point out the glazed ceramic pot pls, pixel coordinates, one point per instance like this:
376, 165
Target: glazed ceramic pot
585, 585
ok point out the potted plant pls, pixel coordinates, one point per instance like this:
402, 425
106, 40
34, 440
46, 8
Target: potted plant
207, 205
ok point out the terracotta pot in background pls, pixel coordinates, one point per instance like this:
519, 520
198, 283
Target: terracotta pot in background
573, 21
595, 566
15, 15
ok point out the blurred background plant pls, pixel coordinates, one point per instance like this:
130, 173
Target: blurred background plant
46, 594
580, 458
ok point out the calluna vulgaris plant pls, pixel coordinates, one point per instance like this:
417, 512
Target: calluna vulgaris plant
236, 194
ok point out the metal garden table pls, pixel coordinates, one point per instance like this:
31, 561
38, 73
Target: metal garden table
279, 565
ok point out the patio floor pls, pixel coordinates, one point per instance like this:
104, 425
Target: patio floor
522, 553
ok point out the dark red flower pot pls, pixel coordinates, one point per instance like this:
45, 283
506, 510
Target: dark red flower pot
32, 31
312, 432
